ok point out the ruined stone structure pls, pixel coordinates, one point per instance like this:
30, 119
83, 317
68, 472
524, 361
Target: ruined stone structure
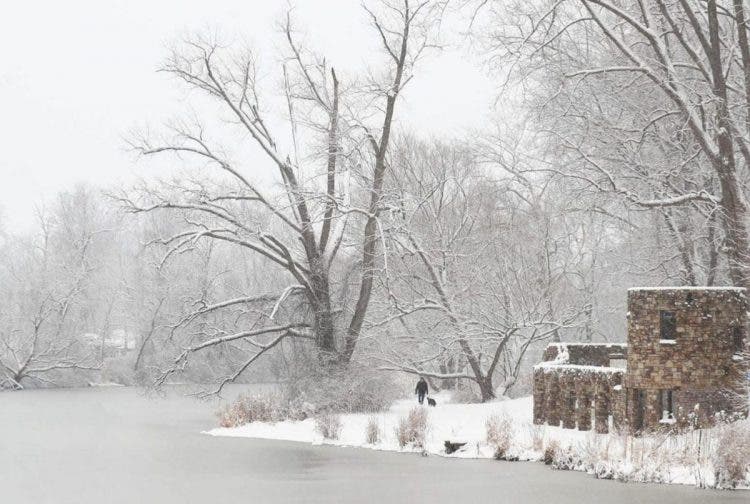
679, 364
580, 385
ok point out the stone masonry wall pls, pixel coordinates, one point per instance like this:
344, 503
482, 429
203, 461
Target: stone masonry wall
697, 366
585, 354
576, 388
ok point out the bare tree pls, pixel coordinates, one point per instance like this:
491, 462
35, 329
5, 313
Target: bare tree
303, 226
466, 281
646, 101
39, 321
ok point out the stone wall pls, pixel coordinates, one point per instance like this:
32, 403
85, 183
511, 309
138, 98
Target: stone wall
575, 388
696, 366
585, 354
694, 361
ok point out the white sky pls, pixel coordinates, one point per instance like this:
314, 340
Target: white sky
76, 75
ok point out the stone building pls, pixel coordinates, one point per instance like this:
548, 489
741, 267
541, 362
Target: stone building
682, 363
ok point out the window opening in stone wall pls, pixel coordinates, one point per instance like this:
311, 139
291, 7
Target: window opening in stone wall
572, 401
668, 325
618, 361
667, 406
639, 407
738, 339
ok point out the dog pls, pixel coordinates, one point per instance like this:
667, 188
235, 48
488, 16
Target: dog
431, 402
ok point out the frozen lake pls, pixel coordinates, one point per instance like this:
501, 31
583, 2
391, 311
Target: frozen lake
112, 445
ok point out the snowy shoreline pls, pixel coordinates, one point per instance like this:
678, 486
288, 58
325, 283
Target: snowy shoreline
454, 422
466, 423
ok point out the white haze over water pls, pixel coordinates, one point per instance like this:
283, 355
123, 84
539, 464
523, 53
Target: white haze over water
76, 76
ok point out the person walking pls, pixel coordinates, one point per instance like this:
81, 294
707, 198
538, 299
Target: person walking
421, 390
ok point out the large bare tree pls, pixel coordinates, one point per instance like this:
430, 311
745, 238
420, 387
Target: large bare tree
646, 101
476, 272
323, 189
43, 278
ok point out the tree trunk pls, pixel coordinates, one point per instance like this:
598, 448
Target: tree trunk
485, 388
677, 232
713, 253
378, 177
588, 313
739, 14
320, 300
16, 381
732, 203
734, 217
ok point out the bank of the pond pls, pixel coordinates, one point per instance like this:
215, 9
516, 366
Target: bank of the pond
686, 459
113, 445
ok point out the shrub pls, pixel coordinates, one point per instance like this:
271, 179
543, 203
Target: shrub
226, 417
297, 409
372, 430
604, 469
499, 433
550, 451
328, 425
342, 391
261, 408
567, 459
537, 437
732, 456
412, 429
466, 393
352, 390
594, 449
246, 409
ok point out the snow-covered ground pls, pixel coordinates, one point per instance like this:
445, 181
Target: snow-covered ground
454, 422
678, 459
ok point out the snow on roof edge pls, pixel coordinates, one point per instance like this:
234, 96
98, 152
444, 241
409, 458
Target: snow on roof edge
586, 343
689, 288
551, 365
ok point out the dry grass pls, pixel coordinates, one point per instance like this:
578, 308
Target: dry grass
372, 431
500, 432
550, 451
412, 429
328, 425
731, 457
716, 457
536, 434
246, 409
262, 408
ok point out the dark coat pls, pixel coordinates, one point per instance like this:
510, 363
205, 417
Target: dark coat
421, 387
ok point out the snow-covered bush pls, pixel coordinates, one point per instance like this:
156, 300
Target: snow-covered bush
594, 450
328, 425
297, 409
412, 429
352, 390
372, 430
550, 451
499, 433
466, 393
246, 409
568, 459
732, 457
536, 433
261, 408
604, 470
228, 416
